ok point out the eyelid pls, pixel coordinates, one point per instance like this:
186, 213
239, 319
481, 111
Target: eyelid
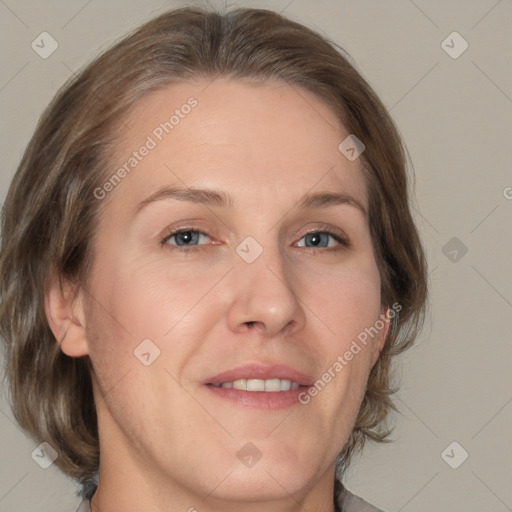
172, 231
329, 229
336, 233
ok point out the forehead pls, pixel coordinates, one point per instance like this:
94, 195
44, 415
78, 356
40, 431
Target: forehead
256, 140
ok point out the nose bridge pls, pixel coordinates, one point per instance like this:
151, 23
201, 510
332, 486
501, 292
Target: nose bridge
264, 289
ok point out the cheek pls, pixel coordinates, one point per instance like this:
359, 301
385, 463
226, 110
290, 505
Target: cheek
346, 307
344, 302
155, 293
136, 303
163, 301
153, 299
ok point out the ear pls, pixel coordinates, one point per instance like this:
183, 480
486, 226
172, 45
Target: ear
64, 308
380, 339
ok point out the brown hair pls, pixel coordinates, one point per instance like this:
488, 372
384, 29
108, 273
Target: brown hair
50, 213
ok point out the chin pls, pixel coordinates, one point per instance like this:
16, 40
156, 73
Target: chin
269, 472
262, 484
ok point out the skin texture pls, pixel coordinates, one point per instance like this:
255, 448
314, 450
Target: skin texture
166, 441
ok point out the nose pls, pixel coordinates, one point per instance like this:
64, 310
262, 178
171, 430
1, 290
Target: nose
265, 297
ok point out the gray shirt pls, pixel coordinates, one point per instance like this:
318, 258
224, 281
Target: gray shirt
347, 502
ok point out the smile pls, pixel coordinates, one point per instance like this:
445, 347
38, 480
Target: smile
271, 385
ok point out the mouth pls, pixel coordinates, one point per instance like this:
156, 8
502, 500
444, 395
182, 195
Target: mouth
269, 385
260, 386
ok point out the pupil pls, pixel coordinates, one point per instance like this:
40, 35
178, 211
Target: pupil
315, 238
185, 236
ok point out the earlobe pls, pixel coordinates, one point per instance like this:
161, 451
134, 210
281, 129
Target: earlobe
64, 311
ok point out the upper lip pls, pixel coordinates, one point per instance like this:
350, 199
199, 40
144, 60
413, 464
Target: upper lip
261, 371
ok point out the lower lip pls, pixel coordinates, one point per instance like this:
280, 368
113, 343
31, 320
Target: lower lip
260, 399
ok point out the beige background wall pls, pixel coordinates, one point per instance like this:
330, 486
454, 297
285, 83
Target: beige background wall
455, 115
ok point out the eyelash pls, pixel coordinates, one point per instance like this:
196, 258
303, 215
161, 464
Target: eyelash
343, 243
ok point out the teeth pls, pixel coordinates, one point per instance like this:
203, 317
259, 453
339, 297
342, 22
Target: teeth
255, 385
286, 385
240, 384
272, 385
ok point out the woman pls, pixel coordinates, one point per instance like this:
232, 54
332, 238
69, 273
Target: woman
208, 262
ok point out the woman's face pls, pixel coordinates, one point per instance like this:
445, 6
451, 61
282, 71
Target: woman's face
265, 285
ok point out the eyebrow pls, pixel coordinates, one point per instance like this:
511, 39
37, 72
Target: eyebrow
219, 199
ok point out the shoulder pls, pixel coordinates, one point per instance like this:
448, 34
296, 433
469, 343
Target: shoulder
349, 502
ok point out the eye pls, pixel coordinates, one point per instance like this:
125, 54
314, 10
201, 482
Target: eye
185, 239
188, 240
321, 239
